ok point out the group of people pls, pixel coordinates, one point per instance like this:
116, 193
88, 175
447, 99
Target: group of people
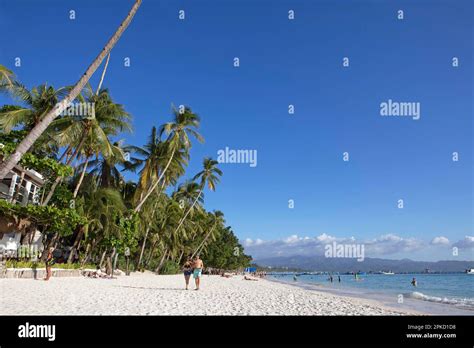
193, 266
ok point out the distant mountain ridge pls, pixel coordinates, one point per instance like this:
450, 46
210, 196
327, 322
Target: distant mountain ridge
321, 263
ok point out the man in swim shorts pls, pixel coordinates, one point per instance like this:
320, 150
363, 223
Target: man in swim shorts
198, 265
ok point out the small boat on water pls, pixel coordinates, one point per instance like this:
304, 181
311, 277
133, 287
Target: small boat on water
387, 273
470, 271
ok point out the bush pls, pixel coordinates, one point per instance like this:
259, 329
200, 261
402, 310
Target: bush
32, 264
170, 267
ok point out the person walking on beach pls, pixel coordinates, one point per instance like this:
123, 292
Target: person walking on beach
49, 261
198, 265
188, 270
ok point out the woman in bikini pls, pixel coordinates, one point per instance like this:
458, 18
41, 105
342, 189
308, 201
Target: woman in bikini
188, 270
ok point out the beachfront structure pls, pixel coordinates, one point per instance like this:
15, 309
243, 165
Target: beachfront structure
20, 186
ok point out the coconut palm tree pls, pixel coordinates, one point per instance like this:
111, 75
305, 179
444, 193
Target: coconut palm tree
38, 102
210, 176
108, 119
6, 78
178, 141
36, 132
216, 220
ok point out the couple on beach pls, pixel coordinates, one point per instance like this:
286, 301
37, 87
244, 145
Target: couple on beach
194, 267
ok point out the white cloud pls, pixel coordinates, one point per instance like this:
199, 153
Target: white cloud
292, 239
384, 245
466, 243
440, 241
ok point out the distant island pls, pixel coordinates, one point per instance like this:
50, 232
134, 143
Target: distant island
345, 265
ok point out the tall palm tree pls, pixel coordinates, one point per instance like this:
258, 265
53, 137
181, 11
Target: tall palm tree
210, 176
178, 141
6, 78
108, 119
36, 132
217, 220
38, 102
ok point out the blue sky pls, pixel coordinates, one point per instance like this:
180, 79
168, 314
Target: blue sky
284, 62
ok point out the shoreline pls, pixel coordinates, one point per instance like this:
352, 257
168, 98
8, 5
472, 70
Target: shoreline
410, 306
149, 294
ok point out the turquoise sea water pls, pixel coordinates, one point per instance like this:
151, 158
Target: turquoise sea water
434, 293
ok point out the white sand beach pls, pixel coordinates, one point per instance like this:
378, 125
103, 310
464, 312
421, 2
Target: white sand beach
149, 294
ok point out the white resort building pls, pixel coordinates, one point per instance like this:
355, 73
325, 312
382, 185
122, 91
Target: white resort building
20, 186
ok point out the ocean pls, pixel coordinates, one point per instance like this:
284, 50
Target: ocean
438, 294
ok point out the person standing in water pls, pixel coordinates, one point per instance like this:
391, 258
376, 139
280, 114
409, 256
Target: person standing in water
339, 278
295, 278
198, 265
188, 270
413, 282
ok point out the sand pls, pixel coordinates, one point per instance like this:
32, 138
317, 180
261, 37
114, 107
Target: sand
149, 294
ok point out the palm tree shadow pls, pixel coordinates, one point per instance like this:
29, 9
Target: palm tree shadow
147, 288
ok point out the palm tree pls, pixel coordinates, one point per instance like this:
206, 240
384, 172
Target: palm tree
100, 207
210, 175
108, 119
38, 102
178, 141
36, 132
217, 220
6, 78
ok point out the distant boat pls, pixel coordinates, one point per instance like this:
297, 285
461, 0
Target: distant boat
388, 273
470, 271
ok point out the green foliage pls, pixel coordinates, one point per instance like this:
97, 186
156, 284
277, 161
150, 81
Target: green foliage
226, 252
34, 264
9, 142
170, 267
48, 219
128, 234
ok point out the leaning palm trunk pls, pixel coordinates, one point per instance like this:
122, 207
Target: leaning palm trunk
189, 210
139, 206
148, 229
76, 190
203, 242
161, 262
59, 179
75, 245
36, 132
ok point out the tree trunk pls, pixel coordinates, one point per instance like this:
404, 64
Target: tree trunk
76, 190
189, 210
161, 262
139, 206
68, 162
150, 254
180, 257
204, 240
146, 234
103, 75
76, 243
86, 256
102, 258
143, 247
36, 132
68, 150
